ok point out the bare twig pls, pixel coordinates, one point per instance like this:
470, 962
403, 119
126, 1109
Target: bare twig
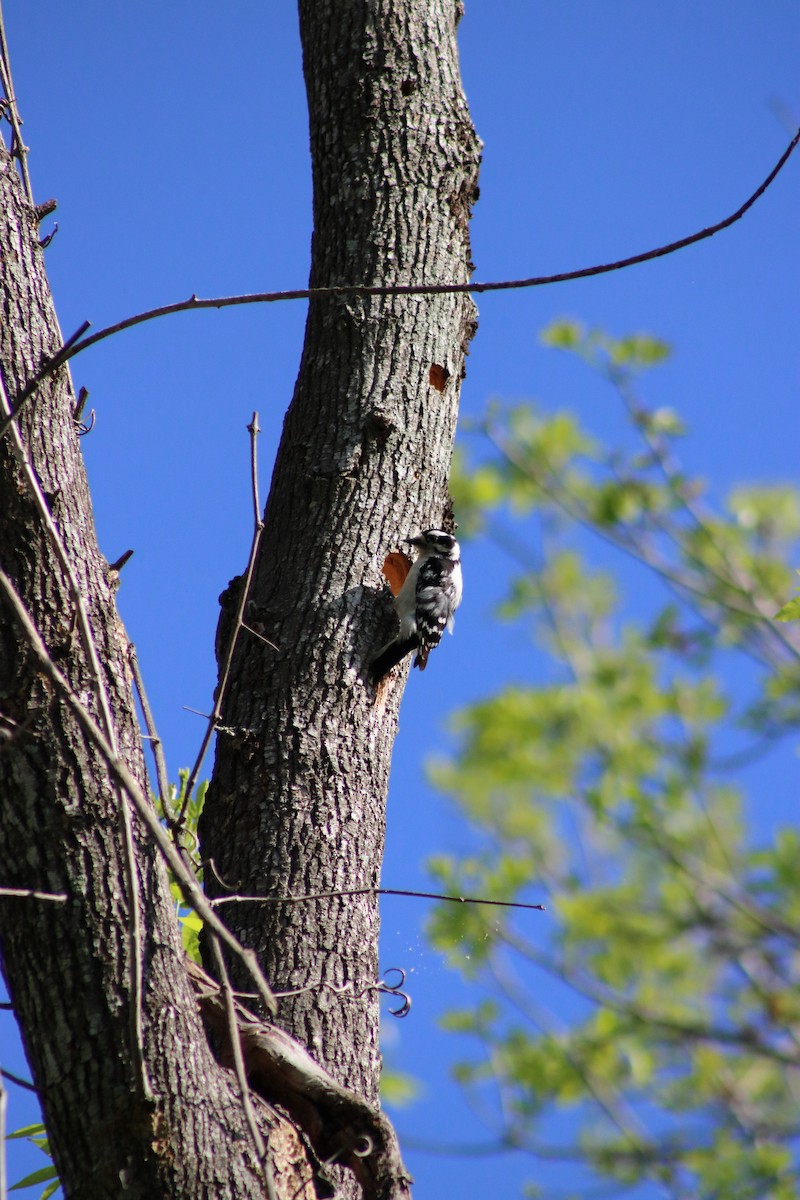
17, 1079
216, 712
136, 981
370, 891
188, 884
84, 427
32, 894
74, 347
45, 241
238, 1064
157, 746
120, 562
48, 368
57, 543
258, 635
3, 1107
357, 991
254, 429
80, 405
101, 697
18, 148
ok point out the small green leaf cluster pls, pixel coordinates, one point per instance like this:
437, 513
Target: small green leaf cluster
191, 923
37, 1135
789, 611
658, 1002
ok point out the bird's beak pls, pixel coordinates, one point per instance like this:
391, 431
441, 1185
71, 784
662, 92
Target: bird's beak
417, 541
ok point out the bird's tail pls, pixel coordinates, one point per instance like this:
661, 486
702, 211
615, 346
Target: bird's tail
391, 655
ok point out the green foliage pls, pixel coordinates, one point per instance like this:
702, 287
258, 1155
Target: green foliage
790, 610
191, 923
398, 1088
658, 1000
37, 1135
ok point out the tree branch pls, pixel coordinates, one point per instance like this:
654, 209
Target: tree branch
18, 148
258, 528
372, 891
186, 881
77, 343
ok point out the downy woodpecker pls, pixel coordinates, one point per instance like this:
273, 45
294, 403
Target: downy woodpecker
427, 601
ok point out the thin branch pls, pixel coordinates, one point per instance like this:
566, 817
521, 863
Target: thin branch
157, 746
727, 574
188, 884
48, 368
120, 562
255, 634
382, 986
18, 148
254, 429
32, 894
609, 1100
3, 1109
17, 1079
238, 1064
101, 696
57, 543
136, 981
681, 584
411, 289
675, 1029
371, 891
216, 712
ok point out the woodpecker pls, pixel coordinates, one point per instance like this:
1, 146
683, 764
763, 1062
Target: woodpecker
427, 601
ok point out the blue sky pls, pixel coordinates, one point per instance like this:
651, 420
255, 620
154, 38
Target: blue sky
175, 139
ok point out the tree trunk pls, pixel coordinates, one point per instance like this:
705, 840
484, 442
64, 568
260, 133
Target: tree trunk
297, 800
297, 803
68, 966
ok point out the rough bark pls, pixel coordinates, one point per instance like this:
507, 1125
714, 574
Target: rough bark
67, 966
297, 799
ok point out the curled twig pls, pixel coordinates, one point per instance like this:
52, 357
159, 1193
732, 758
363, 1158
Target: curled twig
357, 991
340, 1126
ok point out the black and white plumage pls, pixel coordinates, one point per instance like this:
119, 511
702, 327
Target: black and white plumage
427, 601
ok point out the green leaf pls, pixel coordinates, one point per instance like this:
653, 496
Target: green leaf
790, 611
563, 334
27, 1131
44, 1175
638, 350
398, 1088
666, 421
606, 773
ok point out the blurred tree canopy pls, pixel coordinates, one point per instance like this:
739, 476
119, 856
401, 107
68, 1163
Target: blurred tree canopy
647, 1030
